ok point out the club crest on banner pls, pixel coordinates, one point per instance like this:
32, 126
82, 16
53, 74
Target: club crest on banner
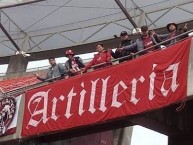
7, 112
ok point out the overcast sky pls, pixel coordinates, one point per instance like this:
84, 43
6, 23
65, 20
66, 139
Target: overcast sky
144, 136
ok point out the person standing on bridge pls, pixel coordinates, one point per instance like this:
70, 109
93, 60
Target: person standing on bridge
173, 32
101, 59
56, 71
73, 64
147, 40
125, 41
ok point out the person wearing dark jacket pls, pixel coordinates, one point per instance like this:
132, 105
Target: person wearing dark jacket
125, 41
73, 64
55, 71
146, 40
173, 31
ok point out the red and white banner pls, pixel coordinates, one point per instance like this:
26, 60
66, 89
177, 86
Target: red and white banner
9, 109
146, 83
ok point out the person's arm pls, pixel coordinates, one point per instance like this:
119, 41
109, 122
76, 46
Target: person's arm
91, 63
131, 47
62, 69
163, 36
183, 30
41, 78
156, 39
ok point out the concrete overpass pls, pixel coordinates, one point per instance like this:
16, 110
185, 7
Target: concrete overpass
175, 122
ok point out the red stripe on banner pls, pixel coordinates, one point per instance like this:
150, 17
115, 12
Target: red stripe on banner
146, 83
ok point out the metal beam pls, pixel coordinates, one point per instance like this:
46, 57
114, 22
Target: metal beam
126, 13
20, 4
9, 37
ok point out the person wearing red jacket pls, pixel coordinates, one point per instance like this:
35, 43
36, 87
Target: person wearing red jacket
103, 57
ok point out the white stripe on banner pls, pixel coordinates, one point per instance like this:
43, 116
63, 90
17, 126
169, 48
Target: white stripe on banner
14, 122
9, 110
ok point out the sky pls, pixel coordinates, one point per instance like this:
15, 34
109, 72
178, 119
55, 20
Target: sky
144, 136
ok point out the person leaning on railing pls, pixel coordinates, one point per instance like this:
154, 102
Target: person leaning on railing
125, 41
102, 57
173, 31
73, 64
55, 71
147, 39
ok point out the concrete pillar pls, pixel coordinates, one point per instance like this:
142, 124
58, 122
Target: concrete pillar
123, 136
17, 63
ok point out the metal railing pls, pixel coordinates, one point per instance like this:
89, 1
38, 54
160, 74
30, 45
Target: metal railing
23, 89
35, 69
147, 49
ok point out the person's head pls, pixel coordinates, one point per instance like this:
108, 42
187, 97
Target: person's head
99, 47
52, 61
70, 54
172, 27
144, 31
124, 35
